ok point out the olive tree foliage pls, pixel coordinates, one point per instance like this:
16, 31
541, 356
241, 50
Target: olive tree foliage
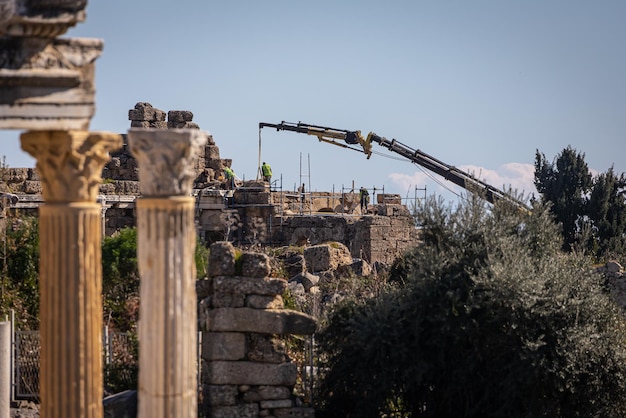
489, 319
120, 277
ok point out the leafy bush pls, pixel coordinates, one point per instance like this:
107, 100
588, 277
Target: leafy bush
19, 282
120, 277
491, 319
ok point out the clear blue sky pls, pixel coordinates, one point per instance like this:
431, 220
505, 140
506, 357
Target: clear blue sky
479, 85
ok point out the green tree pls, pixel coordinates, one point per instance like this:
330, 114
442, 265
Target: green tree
565, 183
607, 213
120, 277
491, 320
20, 270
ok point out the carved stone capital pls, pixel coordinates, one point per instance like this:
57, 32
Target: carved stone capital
70, 163
40, 18
47, 84
166, 159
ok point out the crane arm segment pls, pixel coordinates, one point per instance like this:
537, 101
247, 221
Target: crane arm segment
451, 173
324, 134
448, 172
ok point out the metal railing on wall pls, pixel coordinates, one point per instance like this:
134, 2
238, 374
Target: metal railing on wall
120, 361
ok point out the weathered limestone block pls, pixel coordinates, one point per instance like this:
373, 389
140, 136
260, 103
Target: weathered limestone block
251, 373
264, 302
221, 395
248, 285
203, 288
307, 280
126, 188
261, 393
251, 197
327, 256
224, 346
182, 125
361, 268
221, 259
47, 84
120, 187
294, 264
266, 349
212, 152
392, 210
250, 410
146, 124
294, 413
390, 199
31, 187
260, 321
255, 265
276, 403
179, 116
296, 289
227, 300
144, 112
15, 175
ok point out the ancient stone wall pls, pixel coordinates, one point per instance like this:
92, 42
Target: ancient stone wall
380, 238
246, 371
384, 237
251, 214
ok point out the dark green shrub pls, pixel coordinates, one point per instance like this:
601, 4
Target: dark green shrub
492, 320
19, 274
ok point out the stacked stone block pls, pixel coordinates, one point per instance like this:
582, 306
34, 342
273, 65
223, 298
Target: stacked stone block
384, 238
246, 370
21, 180
180, 119
146, 116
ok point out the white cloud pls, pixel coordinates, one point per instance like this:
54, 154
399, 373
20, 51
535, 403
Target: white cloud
517, 176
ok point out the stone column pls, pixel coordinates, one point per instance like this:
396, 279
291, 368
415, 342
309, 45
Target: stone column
5, 369
69, 164
166, 239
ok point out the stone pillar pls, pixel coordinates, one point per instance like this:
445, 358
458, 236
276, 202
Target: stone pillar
168, 385
5, 369
69, 164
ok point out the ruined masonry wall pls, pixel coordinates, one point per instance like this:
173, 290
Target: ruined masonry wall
246, 371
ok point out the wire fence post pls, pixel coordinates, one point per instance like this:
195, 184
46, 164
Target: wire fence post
107, 351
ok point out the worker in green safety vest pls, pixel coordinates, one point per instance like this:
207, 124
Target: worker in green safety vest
229, 174
267, 172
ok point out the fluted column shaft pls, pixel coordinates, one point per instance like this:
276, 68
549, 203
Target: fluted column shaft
166, 245
167, 332
70, 164
71, 310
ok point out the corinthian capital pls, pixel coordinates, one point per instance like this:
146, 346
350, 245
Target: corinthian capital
166, 159
70, 163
